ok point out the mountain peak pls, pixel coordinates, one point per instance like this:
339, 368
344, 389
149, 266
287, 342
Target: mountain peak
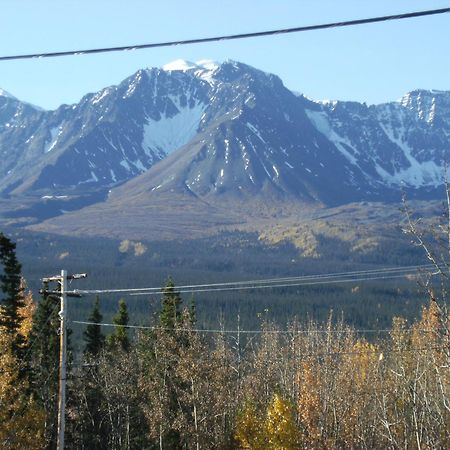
183, 65
418, 95
427, 103
179, 64
3, 93
204, 68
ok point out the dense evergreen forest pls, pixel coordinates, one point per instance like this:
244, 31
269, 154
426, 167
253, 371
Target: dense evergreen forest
224, 258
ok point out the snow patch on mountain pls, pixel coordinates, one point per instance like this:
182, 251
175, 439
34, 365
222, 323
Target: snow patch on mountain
54, 135
423, 103
179, 64
133, 85
204, 68
170, 133
255, 131
321, 122
93, 179
125, 165
97, 98
418, 174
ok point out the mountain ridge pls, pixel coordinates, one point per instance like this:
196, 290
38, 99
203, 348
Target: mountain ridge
228, 137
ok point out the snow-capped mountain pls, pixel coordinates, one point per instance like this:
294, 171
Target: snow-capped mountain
399, 143
223, 134
108, 137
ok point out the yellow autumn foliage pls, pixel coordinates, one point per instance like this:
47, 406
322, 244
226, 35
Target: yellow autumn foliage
21, 420
280, 426
250, 427
26, 313
275, 430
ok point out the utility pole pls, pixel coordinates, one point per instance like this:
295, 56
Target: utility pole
62, 363
62, 294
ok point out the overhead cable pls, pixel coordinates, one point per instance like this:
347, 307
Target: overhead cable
271, 282
277, 286
223, 331
230, 37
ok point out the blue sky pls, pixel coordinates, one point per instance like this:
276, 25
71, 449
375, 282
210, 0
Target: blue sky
372, 63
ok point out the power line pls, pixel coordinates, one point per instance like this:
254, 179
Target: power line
380, 351
220, 331
376, 351
272, 286
295, 278
267, 282
230, 36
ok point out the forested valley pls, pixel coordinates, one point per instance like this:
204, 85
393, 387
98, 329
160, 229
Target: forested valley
227, 257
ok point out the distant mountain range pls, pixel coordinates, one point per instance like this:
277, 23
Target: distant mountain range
211, 145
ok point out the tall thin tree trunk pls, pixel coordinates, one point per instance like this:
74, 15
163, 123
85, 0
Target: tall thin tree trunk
197, 444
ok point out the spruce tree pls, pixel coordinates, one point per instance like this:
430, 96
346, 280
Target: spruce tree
119, 339
173, 343
92, 431
12, 300
192, 311
44, 344
170, 314
93, 336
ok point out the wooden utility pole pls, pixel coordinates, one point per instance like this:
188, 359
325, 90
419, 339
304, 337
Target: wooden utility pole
62, 362
62, 294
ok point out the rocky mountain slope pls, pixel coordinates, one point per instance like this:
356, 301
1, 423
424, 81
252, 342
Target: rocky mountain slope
224, 144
